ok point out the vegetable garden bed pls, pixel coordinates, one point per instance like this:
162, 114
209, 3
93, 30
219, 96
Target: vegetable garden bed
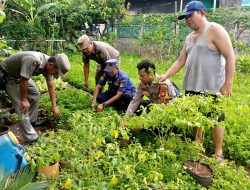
88, 144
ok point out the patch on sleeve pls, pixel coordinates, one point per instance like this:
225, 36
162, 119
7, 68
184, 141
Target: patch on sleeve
33, 68
122, 83
163, 94
102, 77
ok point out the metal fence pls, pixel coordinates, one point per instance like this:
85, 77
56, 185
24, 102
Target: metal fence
50, 47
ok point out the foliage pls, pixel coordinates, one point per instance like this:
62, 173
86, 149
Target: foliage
41, 84
46, 152
167, 41
29, 9
7, 115
171, 33
5, 50
67, 107
95, 159
243, 63
21, 180
58, 20
183, 113
2, 16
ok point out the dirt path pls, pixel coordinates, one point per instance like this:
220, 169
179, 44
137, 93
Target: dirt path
15, 129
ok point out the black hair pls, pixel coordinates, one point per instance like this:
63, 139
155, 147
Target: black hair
145, 64
52, 59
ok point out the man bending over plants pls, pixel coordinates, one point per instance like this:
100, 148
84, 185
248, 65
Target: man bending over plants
97, 51
157, 92
18, 70
120, 90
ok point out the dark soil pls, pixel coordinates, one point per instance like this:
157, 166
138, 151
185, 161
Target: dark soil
14, 128
199, 169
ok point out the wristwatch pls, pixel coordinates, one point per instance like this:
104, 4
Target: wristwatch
104, 104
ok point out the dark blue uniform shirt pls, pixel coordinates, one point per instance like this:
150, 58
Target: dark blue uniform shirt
120, 82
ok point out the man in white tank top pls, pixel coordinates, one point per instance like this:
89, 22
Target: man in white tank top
202, 57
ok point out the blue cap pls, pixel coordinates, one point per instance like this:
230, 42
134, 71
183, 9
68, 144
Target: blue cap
191, 7
111, 64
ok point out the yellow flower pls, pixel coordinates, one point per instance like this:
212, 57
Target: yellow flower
68, 184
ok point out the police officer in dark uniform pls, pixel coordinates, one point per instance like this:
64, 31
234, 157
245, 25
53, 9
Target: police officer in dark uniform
120, 90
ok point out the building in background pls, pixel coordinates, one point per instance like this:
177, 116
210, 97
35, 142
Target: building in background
245, 3
136, 7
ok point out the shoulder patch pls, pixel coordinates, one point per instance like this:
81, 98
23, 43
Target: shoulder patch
102, 77
33, 67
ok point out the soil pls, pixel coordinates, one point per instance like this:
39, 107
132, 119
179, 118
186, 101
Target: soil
248, 172
199, 169
14, 128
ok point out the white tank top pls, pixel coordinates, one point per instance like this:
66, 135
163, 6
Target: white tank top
205, 68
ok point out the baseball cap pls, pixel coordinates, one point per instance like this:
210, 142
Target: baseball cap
111, 64
191, 7
83, 42
62, 62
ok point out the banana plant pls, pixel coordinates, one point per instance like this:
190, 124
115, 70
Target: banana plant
30, 9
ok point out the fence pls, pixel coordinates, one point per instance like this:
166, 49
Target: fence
49, 47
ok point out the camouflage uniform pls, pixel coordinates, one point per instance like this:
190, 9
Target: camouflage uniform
156, 92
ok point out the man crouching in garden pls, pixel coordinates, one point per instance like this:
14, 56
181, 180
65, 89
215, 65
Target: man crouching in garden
149, 86
120, 90
18, 70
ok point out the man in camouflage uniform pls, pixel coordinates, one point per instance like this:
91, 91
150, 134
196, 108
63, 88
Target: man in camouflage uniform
149, 86
97, 51
19, 68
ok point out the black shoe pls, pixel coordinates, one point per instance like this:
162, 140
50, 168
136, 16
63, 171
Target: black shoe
31, 142
38, 123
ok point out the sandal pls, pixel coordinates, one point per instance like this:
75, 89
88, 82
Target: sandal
220, 159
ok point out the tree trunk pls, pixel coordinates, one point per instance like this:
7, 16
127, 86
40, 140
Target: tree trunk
229, 3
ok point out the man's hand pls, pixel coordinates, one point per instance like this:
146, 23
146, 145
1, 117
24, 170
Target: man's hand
56, 111
25, 105
100, 108
86, 86
163, 78
226, 90
124, 122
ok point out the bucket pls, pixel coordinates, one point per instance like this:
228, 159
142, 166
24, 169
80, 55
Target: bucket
13, 155
203, 180
4, 130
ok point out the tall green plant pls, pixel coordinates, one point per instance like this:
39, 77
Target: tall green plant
30, 9
21, 180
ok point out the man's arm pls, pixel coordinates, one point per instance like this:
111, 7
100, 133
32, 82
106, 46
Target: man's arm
25, 105
223, 43
95, 94
178, 64
110, 101
135, 102
52, 94
86, 73
133, 105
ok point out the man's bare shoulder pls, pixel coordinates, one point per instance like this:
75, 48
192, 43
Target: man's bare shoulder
215, 27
